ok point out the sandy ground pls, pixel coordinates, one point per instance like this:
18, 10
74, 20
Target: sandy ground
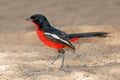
23, 56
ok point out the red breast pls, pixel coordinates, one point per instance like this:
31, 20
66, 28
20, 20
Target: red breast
41, 36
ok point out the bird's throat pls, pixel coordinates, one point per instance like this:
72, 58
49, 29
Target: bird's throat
36, 25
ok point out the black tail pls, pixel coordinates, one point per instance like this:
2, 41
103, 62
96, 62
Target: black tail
89, 34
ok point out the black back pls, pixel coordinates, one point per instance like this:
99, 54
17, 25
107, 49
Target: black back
41, 21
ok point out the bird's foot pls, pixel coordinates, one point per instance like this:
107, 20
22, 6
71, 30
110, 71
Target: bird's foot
61, 68
50, 64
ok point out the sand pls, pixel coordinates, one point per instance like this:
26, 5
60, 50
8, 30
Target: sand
24, 57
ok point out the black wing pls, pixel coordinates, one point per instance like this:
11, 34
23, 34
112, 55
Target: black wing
58, 36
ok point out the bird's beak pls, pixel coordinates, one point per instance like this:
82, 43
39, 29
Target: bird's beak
28, 19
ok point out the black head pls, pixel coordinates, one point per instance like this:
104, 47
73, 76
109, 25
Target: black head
40, 20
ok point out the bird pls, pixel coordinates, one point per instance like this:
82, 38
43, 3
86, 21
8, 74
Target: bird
56, 38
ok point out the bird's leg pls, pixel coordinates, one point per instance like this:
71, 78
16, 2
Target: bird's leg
61, 51
62, 64
56, 57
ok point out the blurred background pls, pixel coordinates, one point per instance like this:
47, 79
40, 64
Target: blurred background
59, 13
24, 57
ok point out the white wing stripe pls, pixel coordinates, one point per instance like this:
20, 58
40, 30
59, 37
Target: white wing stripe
57, 37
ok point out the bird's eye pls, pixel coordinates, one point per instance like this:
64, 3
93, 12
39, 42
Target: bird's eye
40, 21
35, 18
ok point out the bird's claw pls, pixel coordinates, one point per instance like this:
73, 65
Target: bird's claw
61, 68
